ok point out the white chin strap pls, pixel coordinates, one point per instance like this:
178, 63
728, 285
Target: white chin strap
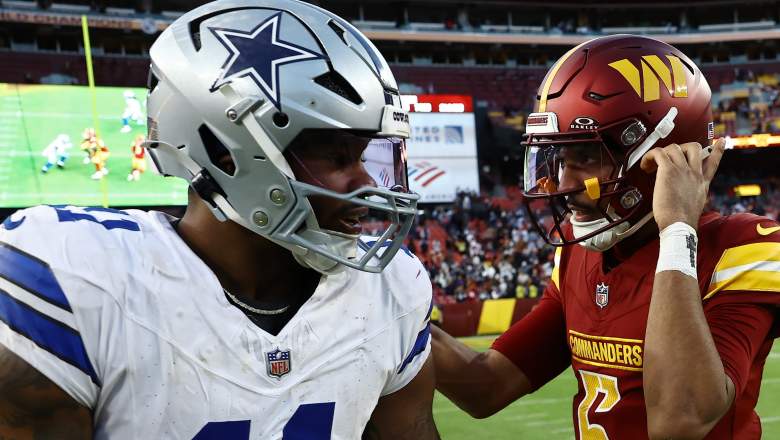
606, 239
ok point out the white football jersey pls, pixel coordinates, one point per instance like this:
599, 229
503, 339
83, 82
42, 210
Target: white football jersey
116, 309
133, 109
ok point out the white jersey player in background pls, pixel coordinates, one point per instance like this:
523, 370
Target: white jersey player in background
56, 153
132, 111
262, 313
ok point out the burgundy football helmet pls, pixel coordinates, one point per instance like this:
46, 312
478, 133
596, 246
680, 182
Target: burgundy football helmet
621, 95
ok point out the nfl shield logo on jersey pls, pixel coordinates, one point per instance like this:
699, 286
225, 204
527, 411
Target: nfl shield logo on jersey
277, 363
602, 295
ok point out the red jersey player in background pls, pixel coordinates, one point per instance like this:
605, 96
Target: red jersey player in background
138, 160
666, 332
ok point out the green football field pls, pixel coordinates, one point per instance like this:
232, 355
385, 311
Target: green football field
546, 414
31, 116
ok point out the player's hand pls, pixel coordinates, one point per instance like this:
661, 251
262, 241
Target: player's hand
682, 181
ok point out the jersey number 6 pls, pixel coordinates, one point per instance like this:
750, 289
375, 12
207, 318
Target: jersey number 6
596, 384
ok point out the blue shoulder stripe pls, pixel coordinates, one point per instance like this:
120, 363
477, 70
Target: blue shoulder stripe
419, 346
32, 275
366, 245
47, 333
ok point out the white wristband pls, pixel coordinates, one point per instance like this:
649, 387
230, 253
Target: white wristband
678, 249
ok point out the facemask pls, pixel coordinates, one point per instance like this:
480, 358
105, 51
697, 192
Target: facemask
344, 244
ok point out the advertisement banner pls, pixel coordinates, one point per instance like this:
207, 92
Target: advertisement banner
439, 179
442, 151
442, 135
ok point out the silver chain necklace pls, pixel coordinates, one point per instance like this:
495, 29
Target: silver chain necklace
249, 308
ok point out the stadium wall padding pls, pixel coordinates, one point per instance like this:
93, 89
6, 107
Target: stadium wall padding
496, 316
461, 319
492, 316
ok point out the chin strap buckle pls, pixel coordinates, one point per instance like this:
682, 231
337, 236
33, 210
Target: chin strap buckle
205, 186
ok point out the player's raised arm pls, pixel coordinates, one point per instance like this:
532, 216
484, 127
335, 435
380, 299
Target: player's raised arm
682, 401
33, 407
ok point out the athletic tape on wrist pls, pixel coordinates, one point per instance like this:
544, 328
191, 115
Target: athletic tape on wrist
678, 249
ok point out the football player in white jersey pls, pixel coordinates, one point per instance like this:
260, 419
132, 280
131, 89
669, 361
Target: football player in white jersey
132, 111
262, 313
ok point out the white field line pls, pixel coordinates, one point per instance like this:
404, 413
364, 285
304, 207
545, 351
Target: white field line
16, 195
773, 419
570, 429
525, 416
62, 115
549, 401
553, 422
35, 153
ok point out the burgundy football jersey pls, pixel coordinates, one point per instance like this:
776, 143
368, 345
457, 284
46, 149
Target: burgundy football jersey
595, 322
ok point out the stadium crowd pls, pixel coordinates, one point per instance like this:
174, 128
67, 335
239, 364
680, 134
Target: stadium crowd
482, 247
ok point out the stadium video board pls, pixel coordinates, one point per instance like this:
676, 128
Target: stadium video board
442, 146
44, 158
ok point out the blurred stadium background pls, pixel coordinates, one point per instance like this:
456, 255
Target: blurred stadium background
470, 70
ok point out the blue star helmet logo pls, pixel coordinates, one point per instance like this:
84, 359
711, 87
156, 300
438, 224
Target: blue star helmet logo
258, 54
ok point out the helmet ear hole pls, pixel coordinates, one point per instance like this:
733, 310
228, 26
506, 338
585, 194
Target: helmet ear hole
281, 119
219, 155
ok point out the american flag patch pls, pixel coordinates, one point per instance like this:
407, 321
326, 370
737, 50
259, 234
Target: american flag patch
710, 130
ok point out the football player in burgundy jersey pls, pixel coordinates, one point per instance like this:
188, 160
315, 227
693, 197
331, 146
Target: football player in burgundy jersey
665, 314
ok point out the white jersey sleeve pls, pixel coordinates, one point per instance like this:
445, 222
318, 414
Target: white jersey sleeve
409, 279
53, 314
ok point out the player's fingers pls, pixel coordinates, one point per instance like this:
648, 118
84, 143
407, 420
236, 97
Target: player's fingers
710, 165
675, 154
648, 163
654, 159
692, 151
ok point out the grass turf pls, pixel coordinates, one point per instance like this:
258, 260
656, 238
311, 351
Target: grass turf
546, 414
31, 116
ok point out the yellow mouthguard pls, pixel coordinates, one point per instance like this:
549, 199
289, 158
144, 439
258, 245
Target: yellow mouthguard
593, 188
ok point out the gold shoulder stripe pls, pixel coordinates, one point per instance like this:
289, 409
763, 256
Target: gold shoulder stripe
752, 267
556, 268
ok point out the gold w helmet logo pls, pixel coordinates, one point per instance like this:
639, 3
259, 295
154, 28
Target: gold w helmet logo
654, 72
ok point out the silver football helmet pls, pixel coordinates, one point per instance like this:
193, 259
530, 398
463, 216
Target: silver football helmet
246, 78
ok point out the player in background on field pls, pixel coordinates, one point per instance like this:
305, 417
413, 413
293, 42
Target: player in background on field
88, 144
138, 160
262, 313
56, 153
132, 111
664, 314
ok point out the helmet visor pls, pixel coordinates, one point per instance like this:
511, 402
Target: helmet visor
546, 164
385, 161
